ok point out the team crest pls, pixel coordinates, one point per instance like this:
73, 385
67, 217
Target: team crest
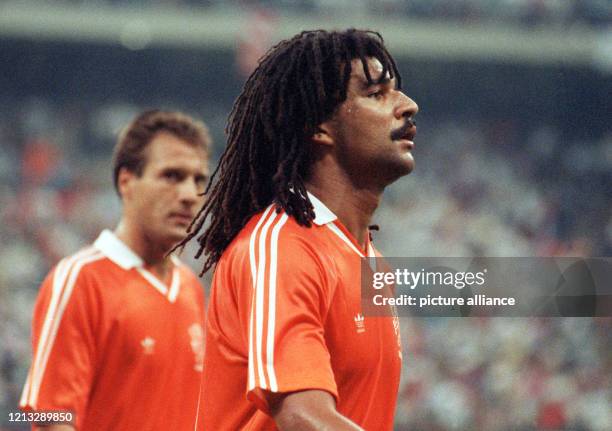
196, 333
148, 345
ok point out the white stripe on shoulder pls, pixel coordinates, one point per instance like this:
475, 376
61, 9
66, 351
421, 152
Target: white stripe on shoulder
62, 292
259, 300
272, 302
253, 265
59, 279
251, 361
252, 245
26, 390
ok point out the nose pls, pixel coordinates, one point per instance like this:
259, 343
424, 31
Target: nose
188, 192
406, 107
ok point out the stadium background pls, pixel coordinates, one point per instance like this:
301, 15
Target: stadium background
514, 158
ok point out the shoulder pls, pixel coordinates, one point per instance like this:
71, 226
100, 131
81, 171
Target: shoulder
73, 275
86, 261
272, 227
91, 266
274, 236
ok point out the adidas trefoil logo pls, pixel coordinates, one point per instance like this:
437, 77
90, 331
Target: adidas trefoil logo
359, 323
148, 344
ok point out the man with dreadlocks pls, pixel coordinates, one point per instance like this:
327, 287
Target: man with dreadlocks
319, 130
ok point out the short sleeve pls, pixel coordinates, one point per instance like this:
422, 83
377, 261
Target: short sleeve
292, 293
63, 342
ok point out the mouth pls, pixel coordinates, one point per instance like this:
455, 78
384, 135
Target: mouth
182, 218
406, 141
405, 135
406, 144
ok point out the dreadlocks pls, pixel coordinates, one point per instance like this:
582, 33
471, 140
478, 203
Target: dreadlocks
297, 85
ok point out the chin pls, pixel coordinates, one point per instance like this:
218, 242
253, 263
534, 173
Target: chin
397, 170
403, 167
174, 237
406, 165
409, 168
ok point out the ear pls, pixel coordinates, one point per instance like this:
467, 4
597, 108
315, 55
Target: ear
323, 135
124, 183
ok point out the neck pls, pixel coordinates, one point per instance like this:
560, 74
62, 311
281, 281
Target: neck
151, 252
354, 206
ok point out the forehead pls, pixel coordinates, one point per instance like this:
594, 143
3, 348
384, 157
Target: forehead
167, 150
358, 75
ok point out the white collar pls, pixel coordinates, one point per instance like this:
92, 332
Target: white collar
323, 215
117, 251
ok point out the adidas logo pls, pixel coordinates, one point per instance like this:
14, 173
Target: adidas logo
148, 344
359, 323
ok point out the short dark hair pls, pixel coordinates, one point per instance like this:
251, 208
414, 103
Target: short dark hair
298, 85
130, 150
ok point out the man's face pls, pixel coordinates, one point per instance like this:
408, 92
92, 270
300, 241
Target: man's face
371, 131
164, 199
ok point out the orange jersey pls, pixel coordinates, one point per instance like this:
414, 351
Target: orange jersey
115, 345
285, 315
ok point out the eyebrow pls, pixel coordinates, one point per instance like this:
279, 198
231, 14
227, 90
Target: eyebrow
182, 171
386, 80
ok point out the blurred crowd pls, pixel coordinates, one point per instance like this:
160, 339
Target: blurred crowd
477, 190
493, 188
506, 374
520, 12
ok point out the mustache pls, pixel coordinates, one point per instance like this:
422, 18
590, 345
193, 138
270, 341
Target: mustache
401, 132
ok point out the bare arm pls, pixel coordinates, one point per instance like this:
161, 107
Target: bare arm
312, 410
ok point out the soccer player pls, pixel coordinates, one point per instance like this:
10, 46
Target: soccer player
117, 328
319, 130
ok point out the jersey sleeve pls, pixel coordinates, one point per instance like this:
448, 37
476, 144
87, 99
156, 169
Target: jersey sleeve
292, 294
63, 342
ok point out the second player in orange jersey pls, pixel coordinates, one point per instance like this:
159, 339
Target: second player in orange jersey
117, 336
